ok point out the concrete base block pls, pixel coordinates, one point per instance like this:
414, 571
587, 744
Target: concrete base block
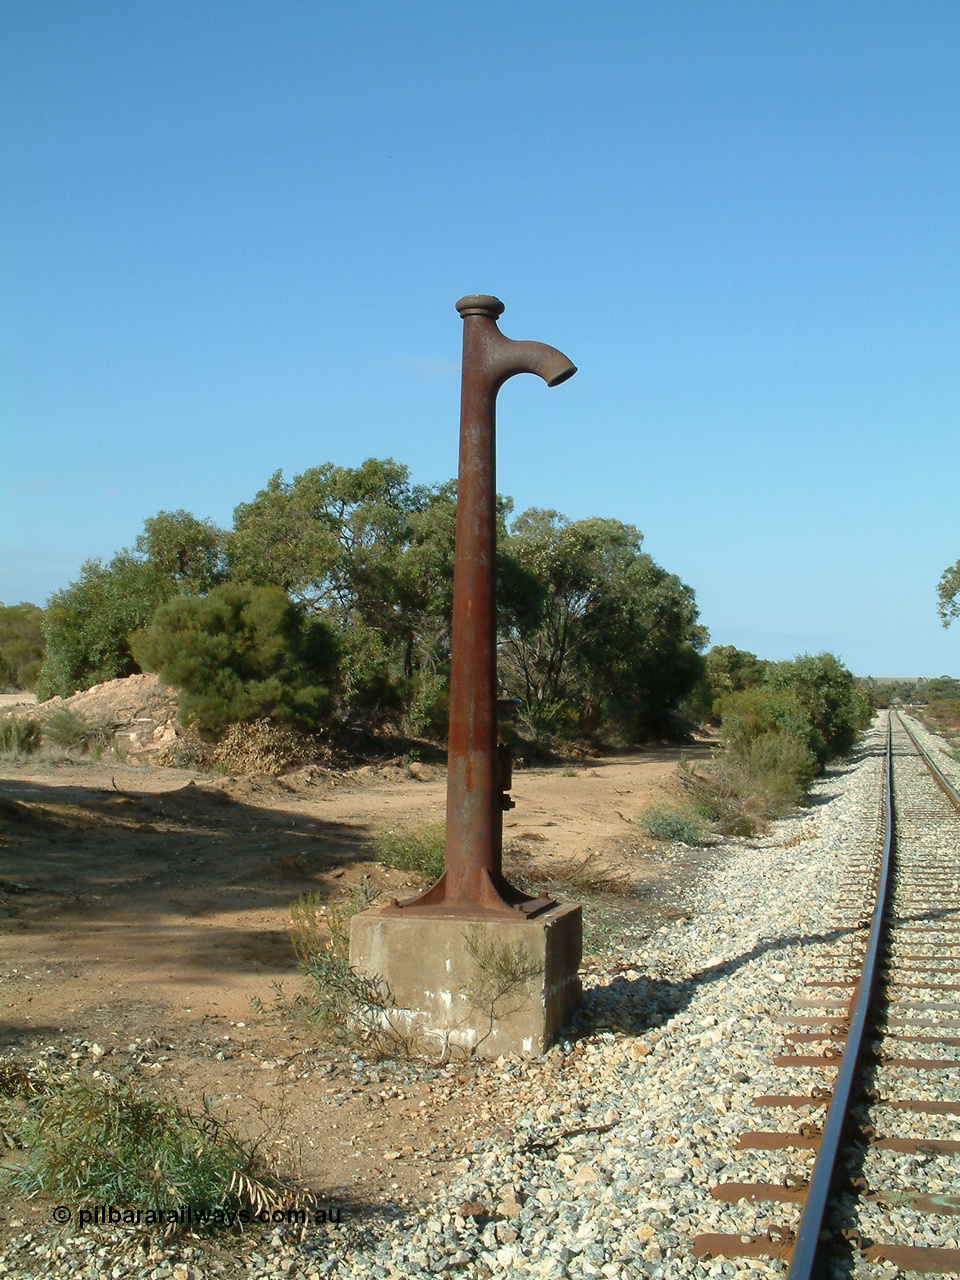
487, 986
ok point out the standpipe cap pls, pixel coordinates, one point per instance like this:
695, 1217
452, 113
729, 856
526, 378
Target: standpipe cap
480, 304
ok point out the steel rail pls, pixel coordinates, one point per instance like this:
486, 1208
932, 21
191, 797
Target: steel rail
946, 787
806, 1250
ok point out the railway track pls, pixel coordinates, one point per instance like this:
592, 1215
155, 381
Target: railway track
881, 1030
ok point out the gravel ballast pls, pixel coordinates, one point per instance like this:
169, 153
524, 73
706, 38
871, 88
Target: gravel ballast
598, 1159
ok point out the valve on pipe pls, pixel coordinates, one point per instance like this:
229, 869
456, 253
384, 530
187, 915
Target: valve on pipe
478, 767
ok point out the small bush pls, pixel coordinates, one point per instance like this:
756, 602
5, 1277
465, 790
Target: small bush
502, 972
712, 795
76, 730
19, 735
109, 1141
780, 769
750, 713
343, 1005
182, 754
672, 821
418, 849
750, 782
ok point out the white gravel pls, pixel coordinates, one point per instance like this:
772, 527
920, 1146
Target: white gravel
598, 1159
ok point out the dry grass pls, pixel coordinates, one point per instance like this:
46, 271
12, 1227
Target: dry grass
418, 849
583, 875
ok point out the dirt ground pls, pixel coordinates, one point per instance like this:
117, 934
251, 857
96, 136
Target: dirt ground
144, 928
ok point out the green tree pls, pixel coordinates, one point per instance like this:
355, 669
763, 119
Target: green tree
726, 669
241, 653
615, 637
948, 592
87, 625
730, 669
187, 551
373, 554
21, 645
837, 705
333, 538
329, 537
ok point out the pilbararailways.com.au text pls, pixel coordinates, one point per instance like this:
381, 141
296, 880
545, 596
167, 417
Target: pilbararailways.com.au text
100, 1215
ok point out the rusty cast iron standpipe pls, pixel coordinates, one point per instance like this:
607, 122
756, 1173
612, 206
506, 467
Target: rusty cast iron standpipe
472, 883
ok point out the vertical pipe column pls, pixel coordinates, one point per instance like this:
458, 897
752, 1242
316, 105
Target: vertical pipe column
472, 880
473, 854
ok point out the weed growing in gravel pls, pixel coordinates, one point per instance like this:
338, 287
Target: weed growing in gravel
75, 730
602, 931
19, 735
109, 1141
418, 849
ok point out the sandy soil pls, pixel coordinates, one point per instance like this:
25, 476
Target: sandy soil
144, 923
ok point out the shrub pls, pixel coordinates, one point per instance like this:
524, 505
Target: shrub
940, 687
19, 735
241, 653
770, 772
748, 714
110, 1142
749, 782
715, 799
418, 849
671, 821
75, 729
837, 705
183, 754
262, 747
502, 970
726, 670
342, 1004
945, 712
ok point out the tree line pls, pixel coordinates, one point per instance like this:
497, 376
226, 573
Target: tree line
328, 602
327, 605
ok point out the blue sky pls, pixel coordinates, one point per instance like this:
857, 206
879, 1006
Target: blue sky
234, 234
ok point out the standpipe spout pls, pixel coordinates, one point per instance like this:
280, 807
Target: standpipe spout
500, 357
472, 882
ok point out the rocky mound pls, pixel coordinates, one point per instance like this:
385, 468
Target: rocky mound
140, 712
